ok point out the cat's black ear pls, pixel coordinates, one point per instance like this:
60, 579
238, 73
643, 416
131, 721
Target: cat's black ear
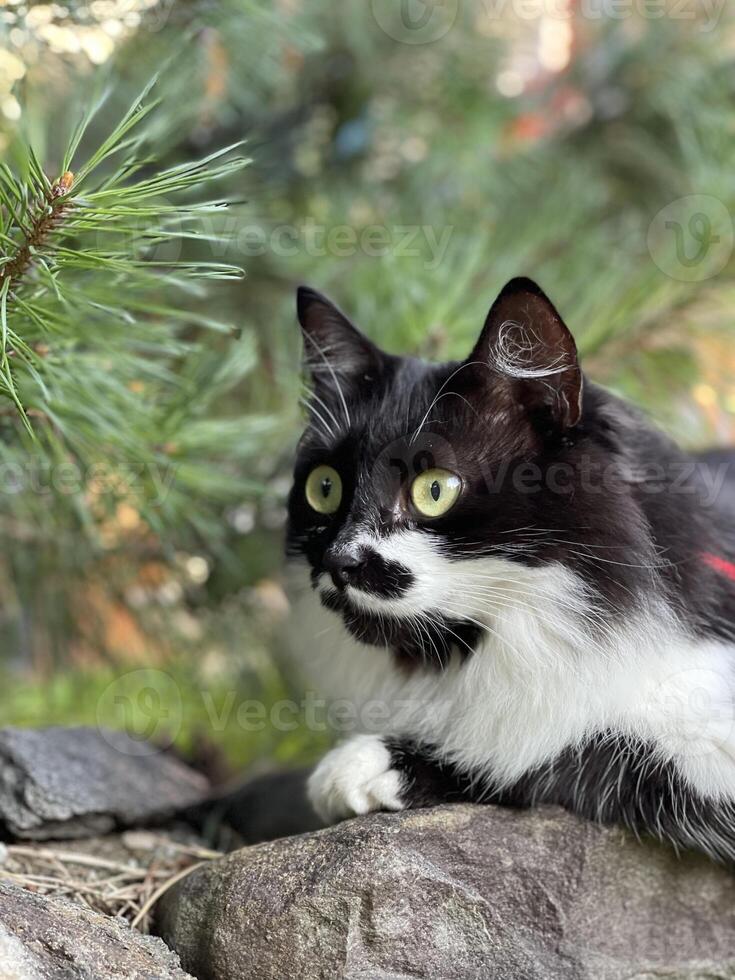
525, 341
334, 349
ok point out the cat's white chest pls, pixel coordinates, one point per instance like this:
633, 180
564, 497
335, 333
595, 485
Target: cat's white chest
538, 682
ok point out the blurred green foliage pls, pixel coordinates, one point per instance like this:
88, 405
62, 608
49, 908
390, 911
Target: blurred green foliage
407, 180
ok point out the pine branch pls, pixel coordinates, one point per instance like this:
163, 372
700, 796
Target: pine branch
45, 215
56, 248
103, 276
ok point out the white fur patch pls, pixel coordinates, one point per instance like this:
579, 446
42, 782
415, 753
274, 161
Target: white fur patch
541, 679
355, 778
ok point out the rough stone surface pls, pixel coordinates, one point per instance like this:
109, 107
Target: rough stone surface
50, 939
456, 892
75, 782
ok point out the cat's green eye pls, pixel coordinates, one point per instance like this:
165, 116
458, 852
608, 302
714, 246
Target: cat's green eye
324, 490
435, 491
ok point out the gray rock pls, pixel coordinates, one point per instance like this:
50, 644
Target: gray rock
75, 782
50, 939
456, 892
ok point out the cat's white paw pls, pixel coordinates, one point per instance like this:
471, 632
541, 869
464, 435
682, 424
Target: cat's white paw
355, 778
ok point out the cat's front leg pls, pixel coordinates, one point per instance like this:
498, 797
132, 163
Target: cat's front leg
355, 778
372, 772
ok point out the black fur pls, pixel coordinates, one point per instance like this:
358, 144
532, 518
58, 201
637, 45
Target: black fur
610, 779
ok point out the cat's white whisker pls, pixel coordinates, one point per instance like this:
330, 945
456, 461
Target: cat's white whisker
453, 375
310, 340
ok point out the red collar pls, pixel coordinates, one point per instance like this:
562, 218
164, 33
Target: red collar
726, 568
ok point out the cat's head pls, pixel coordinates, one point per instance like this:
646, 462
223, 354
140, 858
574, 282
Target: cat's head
427, 494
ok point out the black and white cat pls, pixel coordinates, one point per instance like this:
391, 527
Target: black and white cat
524, 590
